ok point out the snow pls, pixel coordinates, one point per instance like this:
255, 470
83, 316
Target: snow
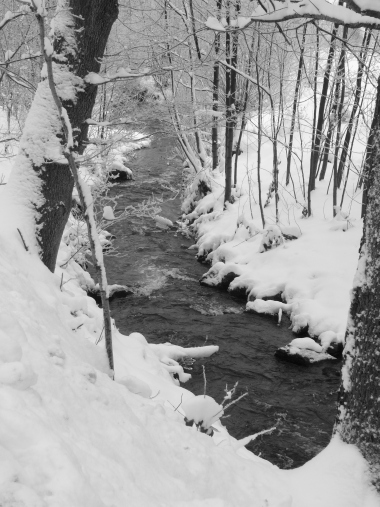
70, 140
313, 272
202, 410
98, 250
108, 213
214, 24
335, 469
306, 343
162, 222
136, 385
121, 73
71, 436
317, 9
268, 307
48, 47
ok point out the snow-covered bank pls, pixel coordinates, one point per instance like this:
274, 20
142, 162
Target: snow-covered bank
312, 267
71, 436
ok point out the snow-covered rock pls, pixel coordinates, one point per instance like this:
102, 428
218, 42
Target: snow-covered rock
162, 222
302, 356
108, 213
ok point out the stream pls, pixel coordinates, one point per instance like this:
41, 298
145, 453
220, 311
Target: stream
169, 305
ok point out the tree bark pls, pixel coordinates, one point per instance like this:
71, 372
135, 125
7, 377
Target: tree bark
229, 117
215, 96
359, 407
322, 104
315, 137
42, 181
295, 104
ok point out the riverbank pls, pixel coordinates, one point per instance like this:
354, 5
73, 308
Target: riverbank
72, 436
167, 303
307, 263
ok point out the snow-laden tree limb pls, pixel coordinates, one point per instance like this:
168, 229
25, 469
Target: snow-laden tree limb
97, 80
10, 16
283, 10
319, 9
364, 6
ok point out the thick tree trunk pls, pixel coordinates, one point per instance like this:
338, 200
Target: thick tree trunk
42, 181
359, 412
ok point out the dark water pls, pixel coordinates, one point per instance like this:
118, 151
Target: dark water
170, 305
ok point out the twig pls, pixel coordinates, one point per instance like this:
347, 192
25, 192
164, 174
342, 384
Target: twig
74, 254
204, 381
180, 403
100, 337
23, 241
235, 401
245, 441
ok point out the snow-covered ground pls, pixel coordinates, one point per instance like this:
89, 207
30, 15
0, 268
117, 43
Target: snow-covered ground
313, 272
70, 436
8, 149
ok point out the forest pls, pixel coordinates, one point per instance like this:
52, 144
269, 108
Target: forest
190, 194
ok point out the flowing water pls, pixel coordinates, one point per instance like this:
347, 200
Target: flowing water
169, 305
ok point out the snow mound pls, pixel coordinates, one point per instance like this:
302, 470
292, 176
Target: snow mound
202, 410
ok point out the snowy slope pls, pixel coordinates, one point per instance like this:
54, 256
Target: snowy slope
70, 436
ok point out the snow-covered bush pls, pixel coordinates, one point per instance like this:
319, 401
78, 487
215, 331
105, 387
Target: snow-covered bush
272, 238
203, 411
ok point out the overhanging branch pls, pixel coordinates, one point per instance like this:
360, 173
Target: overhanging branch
319, 10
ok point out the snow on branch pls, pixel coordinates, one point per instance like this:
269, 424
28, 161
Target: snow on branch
96, 79
364, 5
214, 24
37, 6
245, 441
319, 9
10, 16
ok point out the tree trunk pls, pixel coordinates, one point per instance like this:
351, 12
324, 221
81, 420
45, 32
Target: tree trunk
342, 80
315, 132
259, 134
41, 182
295, 104
322, 104
355, 107
215, 96
244, 110
229, 118
359, 408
